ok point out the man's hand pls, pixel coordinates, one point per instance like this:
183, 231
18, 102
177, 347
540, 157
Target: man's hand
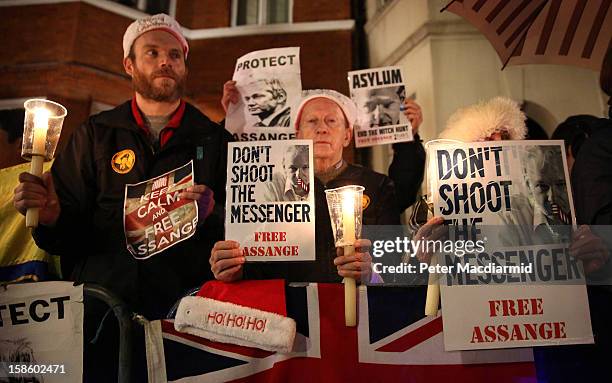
34, 192
230, 94
430, 231
226, 261
357, 266
204, 197
589, 248
412, 111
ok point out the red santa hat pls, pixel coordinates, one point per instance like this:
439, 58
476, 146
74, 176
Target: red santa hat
246, 313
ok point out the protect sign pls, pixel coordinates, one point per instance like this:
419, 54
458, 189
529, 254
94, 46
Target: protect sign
41, 332
270, 87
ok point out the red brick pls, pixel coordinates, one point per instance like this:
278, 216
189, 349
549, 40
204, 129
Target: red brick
73, 52
321, 10
204, 13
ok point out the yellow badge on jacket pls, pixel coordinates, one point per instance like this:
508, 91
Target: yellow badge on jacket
123, 161
365, 202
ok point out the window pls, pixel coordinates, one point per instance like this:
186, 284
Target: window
260, 12
151, 7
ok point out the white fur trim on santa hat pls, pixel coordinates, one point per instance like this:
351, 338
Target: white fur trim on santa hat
477, 122
231, 323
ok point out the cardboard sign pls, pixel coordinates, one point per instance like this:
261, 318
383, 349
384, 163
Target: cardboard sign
270, 200
155, 217
379, 95
508, 204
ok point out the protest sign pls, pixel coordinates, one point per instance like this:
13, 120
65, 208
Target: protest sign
270, 201
270, 90
379, 95
41, 327
155, 217
510, 212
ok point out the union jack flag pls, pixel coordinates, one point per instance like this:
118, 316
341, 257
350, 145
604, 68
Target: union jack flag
393, 342
144, 214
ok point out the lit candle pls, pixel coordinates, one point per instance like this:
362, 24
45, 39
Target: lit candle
348, 216
41, 125
348, 229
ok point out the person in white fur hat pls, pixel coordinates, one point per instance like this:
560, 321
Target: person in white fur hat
499, 118
326, 117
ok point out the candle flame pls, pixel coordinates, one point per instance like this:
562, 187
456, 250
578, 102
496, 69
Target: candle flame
348, 202
41, 118
348, 215
41, 124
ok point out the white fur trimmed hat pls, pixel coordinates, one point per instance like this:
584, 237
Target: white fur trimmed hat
159, 21
246, 313
477, 122
347, 105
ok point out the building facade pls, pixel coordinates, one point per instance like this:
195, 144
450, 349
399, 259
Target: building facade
71, 51
449, 64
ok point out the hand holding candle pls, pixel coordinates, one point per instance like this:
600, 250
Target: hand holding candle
433, 230
42, 128
345, 211
348, 225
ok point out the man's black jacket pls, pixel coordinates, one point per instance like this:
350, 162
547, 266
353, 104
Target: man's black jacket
90, 228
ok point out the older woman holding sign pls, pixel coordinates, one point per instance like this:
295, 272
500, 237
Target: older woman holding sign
494, 120
326, 117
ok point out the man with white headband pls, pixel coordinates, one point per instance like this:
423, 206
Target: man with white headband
326, 117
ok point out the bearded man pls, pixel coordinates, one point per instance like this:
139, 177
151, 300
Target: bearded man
81, 201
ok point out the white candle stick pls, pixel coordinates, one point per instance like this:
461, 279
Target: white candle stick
348, 229
350, 295
41, 125
433, 291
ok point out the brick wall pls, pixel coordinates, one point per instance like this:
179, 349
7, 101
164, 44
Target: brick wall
323, 65
38, 34
204, 13
320, 10
72, 52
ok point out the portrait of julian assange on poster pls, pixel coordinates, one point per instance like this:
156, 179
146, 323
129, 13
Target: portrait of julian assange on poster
515, 197
270, 204
379, 94
270, 86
